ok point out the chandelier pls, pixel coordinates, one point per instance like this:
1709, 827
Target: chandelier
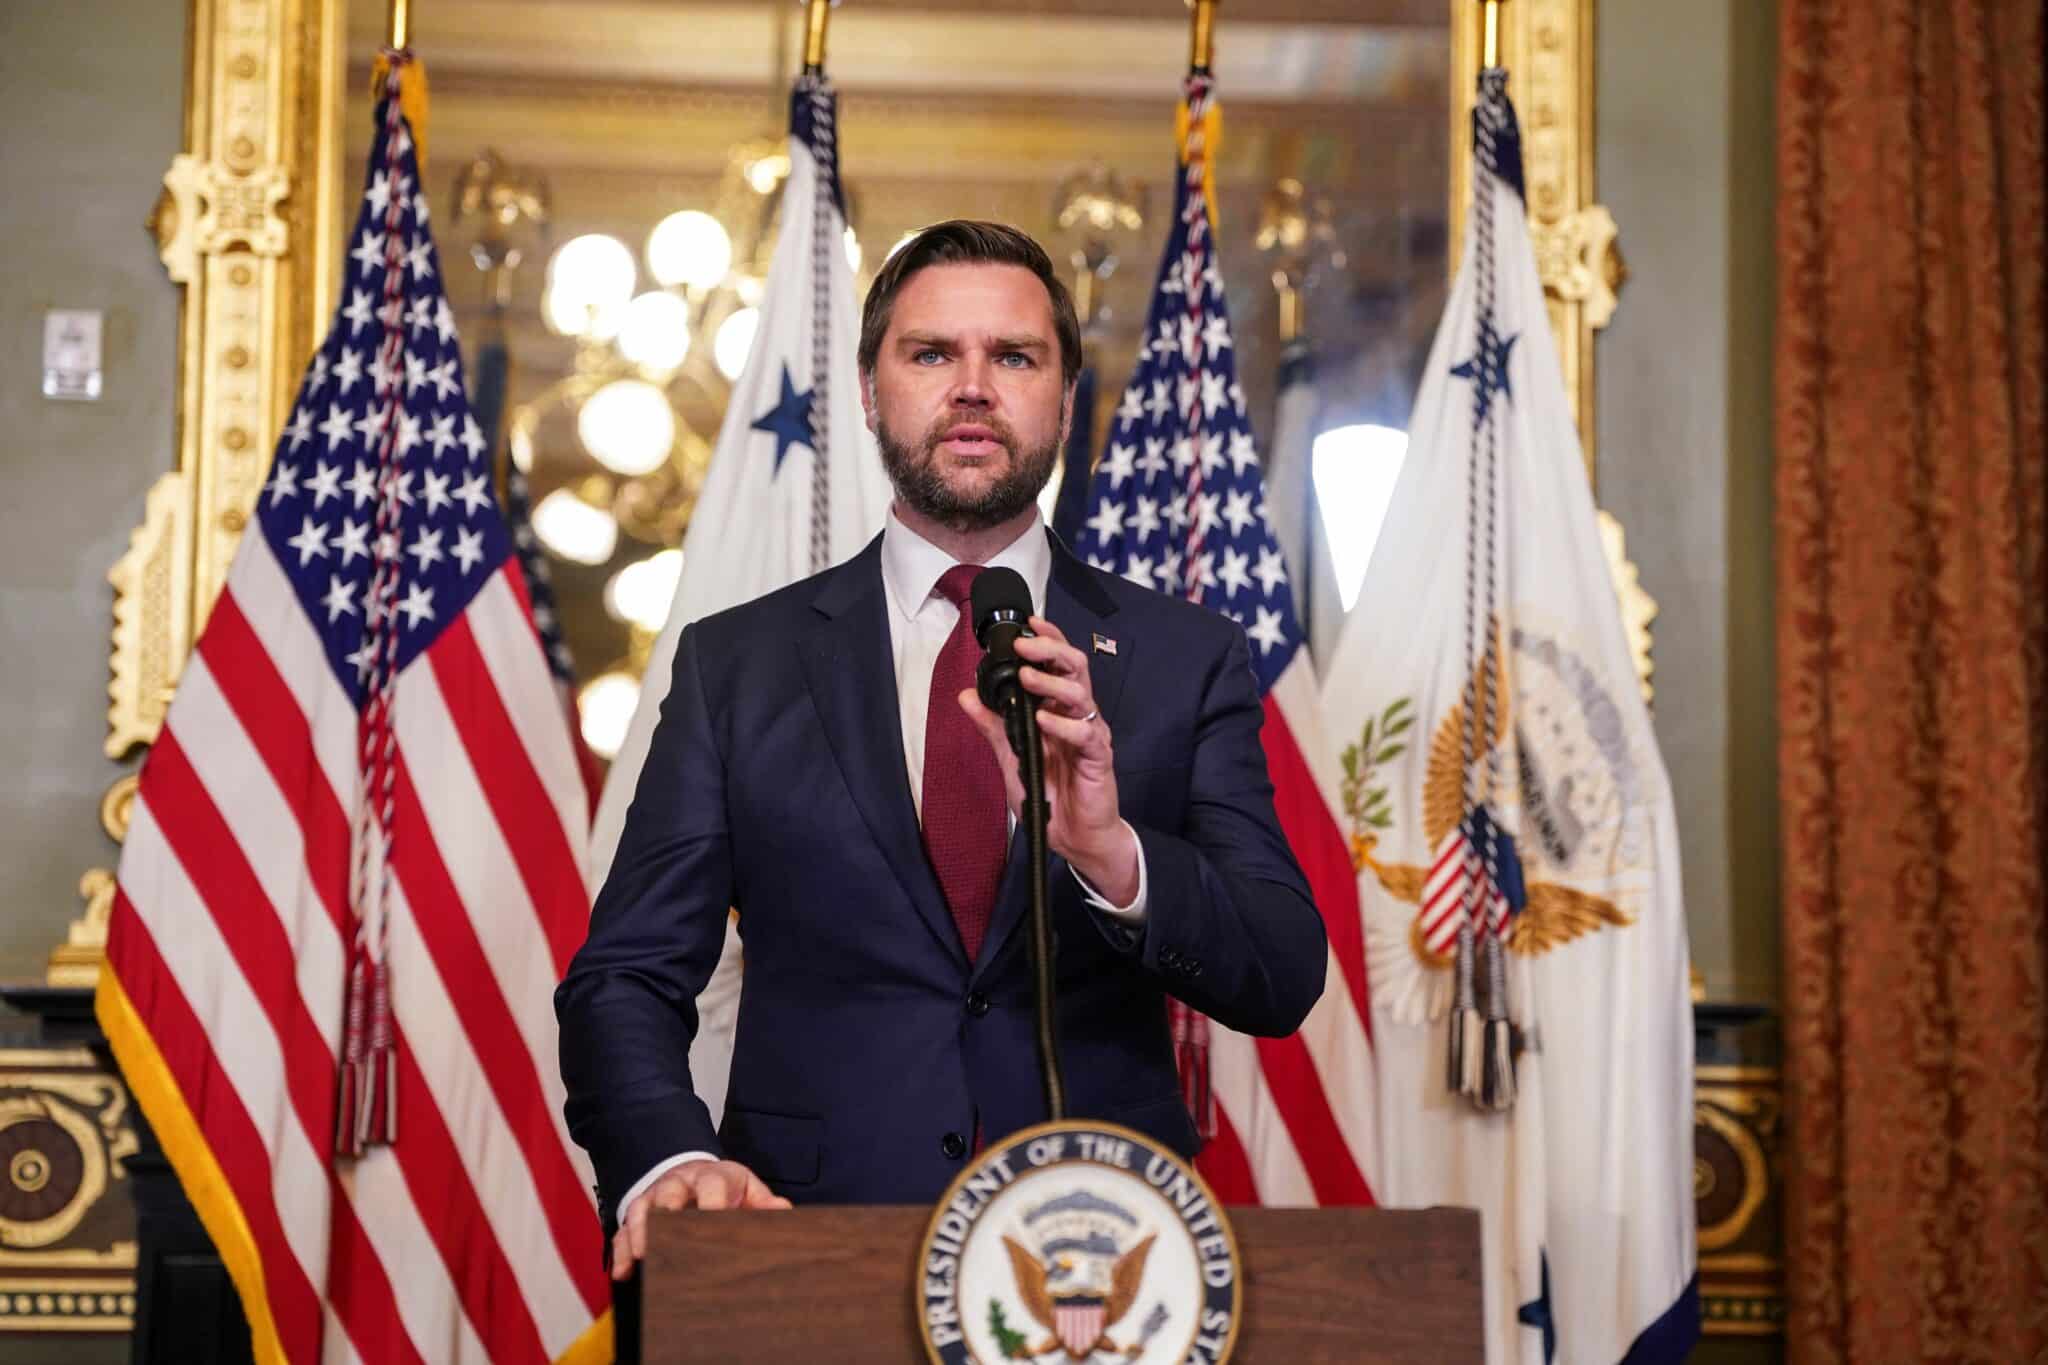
659, 339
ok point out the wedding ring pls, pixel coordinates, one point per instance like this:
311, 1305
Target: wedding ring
1091, 716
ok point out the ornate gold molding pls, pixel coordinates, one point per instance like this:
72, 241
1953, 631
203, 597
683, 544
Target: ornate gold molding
67, 1223
243, 227
76, 961
152, 616
1638, 608
1736, 1114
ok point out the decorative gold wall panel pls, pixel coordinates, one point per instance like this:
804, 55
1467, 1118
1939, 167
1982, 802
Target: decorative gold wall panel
241, 226
1736, 1187
67, 1223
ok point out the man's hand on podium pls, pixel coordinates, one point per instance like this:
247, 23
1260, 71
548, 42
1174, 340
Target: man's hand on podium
695, 1184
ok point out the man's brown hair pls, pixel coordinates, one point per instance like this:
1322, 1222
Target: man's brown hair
965, 241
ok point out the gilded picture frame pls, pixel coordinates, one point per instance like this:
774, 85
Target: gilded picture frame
242, 225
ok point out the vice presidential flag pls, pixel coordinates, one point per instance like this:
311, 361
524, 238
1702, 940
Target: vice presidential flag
1177, 505
354, 873
795, 486
1514, 834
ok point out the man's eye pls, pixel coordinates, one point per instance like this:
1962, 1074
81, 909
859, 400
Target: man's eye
925, 355
1023, 362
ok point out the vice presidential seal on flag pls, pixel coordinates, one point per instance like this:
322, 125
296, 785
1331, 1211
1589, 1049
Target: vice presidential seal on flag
1511, 822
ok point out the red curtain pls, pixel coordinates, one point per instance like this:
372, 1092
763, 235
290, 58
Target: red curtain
1913, 678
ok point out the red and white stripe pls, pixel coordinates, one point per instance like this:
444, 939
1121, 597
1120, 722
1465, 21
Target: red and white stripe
1295, 1115
475, 1236
1457, 878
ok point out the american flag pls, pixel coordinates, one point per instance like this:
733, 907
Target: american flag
1177, 505
366, 776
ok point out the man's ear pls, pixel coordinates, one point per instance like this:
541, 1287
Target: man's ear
1067, 411
867, 399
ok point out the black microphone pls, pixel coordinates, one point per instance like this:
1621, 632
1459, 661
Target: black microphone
1001, 604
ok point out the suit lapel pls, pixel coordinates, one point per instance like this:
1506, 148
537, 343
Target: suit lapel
1075, 603
852, 678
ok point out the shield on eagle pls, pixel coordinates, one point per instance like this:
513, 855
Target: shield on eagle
1077, 1322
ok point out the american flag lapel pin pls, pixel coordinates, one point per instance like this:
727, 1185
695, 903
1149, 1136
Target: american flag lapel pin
1104, 645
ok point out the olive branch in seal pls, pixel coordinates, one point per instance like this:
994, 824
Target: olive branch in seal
1365, 802
1009, 1340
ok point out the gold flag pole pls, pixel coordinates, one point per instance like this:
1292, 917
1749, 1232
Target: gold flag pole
1202, 38
816, 14
1489, 48
412, 90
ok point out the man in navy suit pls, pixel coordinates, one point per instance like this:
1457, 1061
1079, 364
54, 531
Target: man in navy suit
823, 766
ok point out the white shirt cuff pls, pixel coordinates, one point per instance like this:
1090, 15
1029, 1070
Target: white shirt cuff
646, 1182
1132, 914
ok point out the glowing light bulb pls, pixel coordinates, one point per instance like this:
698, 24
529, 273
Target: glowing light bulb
573, 529
655, 334
689, 248
605, 711
627, 426
735, 341
642, 591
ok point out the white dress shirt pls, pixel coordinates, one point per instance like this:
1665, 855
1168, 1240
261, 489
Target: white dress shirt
920, 622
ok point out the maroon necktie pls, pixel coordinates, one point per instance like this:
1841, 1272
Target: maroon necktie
965, 811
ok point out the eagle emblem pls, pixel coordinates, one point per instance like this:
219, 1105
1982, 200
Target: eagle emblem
1081, 1281
1555, 747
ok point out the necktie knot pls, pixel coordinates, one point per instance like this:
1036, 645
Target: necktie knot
956, 584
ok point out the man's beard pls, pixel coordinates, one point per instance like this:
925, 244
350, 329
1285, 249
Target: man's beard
918, 482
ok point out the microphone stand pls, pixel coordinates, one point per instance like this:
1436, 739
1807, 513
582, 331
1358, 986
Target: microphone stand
1020, 721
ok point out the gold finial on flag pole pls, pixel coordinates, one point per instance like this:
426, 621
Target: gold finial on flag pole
1202, 46
1489, 48
401, 24
816, 12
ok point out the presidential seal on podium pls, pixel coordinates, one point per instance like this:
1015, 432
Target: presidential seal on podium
1078, 1242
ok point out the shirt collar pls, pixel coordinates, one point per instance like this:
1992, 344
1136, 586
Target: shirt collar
912, 565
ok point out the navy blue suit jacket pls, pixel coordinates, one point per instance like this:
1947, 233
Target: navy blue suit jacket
868, 1047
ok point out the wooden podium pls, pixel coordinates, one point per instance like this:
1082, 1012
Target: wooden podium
1321, 1285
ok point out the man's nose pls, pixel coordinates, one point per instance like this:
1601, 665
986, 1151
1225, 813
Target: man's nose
973, 387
